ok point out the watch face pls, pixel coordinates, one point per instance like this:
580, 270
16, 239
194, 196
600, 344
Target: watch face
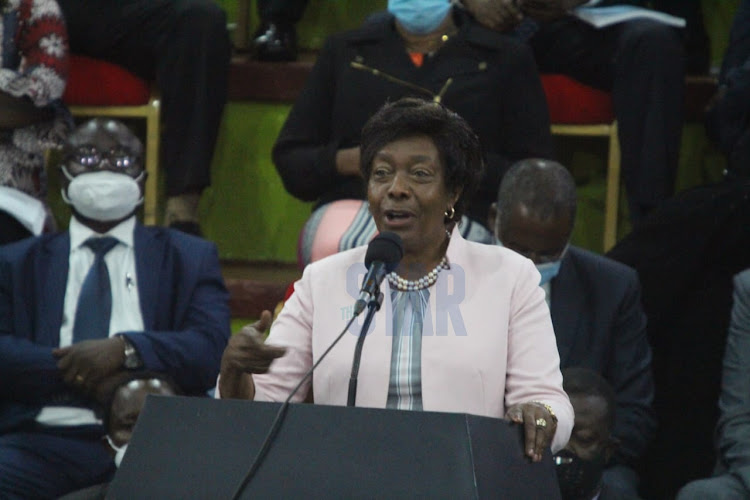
131, 361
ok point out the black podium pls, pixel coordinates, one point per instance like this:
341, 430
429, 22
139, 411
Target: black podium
199, 448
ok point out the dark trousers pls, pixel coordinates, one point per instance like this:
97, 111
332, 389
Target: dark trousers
184, 46
281, 11
642, 64
36, 465
697, 43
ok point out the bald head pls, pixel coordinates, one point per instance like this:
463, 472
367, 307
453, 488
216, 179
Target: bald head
544, 188
535, 211
105, 134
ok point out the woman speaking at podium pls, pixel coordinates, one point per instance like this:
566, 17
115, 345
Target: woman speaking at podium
463, 327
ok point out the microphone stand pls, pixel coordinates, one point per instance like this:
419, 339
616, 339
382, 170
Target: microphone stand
372, 306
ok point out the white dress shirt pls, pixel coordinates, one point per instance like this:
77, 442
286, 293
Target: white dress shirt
126, 309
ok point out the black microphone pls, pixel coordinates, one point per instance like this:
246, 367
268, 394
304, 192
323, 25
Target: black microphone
383, 256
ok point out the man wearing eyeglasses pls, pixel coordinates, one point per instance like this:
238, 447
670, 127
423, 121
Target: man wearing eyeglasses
595, 302
184, 47
77, 308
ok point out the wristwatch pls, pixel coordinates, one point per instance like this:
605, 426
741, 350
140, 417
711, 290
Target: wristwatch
132, 360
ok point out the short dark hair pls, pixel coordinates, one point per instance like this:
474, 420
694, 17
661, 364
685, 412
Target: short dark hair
457, 144
545, 187
586, 382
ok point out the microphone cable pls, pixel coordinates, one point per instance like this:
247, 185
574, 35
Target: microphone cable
385, 252
276, 425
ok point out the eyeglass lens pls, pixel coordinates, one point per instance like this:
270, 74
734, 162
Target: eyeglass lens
90, 157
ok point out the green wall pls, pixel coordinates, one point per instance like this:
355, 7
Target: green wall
246, 211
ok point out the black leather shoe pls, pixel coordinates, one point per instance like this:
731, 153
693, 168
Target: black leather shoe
275, 42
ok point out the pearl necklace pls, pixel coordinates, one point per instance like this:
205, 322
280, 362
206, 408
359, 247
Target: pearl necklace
425, 281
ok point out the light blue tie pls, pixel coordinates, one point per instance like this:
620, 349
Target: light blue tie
95, 301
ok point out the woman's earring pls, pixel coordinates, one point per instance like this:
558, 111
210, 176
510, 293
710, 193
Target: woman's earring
450, 213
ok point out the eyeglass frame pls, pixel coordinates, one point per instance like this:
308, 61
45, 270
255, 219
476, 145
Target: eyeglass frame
73, 157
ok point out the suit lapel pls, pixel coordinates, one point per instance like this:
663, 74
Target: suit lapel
566, 306
52, 277
149, 252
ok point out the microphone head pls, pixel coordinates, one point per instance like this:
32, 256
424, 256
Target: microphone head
386, 247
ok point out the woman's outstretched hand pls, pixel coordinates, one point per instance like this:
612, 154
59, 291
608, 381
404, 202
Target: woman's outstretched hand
245, 354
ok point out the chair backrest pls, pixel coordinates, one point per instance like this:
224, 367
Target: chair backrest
571, 102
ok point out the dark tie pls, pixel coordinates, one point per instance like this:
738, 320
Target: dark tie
95, 300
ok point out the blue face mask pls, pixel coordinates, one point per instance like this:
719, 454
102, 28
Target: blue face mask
419, 16
548, 270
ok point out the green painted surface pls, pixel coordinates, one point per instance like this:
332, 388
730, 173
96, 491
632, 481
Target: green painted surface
246, 211
237, 324
717, 18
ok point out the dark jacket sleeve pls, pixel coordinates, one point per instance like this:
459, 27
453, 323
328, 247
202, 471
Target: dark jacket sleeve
191, 352
28, 371
304, 152
631, 376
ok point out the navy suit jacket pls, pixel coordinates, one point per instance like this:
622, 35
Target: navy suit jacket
600, 324
183, 299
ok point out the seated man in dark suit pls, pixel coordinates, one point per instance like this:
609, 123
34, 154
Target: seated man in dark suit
80, 307
732, 474
595, 302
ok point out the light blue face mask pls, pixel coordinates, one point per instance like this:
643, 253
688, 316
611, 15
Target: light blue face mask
419, 16
548, 270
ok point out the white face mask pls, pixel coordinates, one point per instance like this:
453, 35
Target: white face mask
103, 195
119, 450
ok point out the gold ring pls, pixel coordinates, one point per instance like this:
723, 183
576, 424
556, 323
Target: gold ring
79, 379
541, 423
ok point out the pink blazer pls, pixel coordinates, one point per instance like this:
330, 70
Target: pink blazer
487, 344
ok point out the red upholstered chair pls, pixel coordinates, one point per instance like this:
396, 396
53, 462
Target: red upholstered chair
98, 88
578, 110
